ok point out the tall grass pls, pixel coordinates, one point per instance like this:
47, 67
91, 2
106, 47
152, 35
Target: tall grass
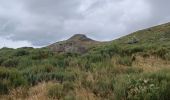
107, 72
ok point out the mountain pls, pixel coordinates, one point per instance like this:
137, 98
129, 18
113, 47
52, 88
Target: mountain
78, 43
133, 67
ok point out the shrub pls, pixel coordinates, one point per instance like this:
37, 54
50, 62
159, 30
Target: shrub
164, 93
10, 78
107, 50
62, 63
154, 86
120, 84
87, 84
25, 63
56, 91
4, 89
38, 74
63, 76
61, 91
42, 69
67, 85
102, 89
1, 60
10, 62
40, 54
161, 52
126, 60
93, 58
21, 52
131, 50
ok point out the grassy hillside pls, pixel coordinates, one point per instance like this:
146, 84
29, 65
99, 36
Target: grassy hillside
158, 36
134, 67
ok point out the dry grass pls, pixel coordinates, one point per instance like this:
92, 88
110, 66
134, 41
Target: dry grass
151, 63
83, 94
38, 92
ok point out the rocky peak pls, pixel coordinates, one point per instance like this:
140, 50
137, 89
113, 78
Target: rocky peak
80, 37
78, 43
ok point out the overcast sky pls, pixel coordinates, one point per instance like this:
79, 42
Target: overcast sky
41, 22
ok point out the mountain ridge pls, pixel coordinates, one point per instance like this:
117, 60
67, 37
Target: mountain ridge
80, 43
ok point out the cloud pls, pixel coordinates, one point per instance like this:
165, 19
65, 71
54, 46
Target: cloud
4, 42
41, 22
160, 11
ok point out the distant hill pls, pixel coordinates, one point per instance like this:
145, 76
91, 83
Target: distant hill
78, 43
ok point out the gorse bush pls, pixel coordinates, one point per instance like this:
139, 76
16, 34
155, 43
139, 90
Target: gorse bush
38, 74
10, 78
132, 50
12, 62
21, 52
2, 60
4, 88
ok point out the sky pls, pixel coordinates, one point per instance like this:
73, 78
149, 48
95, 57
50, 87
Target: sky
39, 23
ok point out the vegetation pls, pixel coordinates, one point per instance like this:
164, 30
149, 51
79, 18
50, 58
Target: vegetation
115, 70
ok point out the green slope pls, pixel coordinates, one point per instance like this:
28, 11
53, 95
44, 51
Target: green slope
158, 34
134, 67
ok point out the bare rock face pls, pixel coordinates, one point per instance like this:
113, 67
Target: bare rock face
78, 43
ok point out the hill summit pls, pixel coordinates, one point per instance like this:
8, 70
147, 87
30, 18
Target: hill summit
80, 37
78, 43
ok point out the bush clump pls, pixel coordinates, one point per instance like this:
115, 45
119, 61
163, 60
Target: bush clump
41, 54
21, 52
126, 60
154, 86
12, 62
10, 78
56, 91
61, 91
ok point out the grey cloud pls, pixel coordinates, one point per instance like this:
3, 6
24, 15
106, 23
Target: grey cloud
42, 22
160, 10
